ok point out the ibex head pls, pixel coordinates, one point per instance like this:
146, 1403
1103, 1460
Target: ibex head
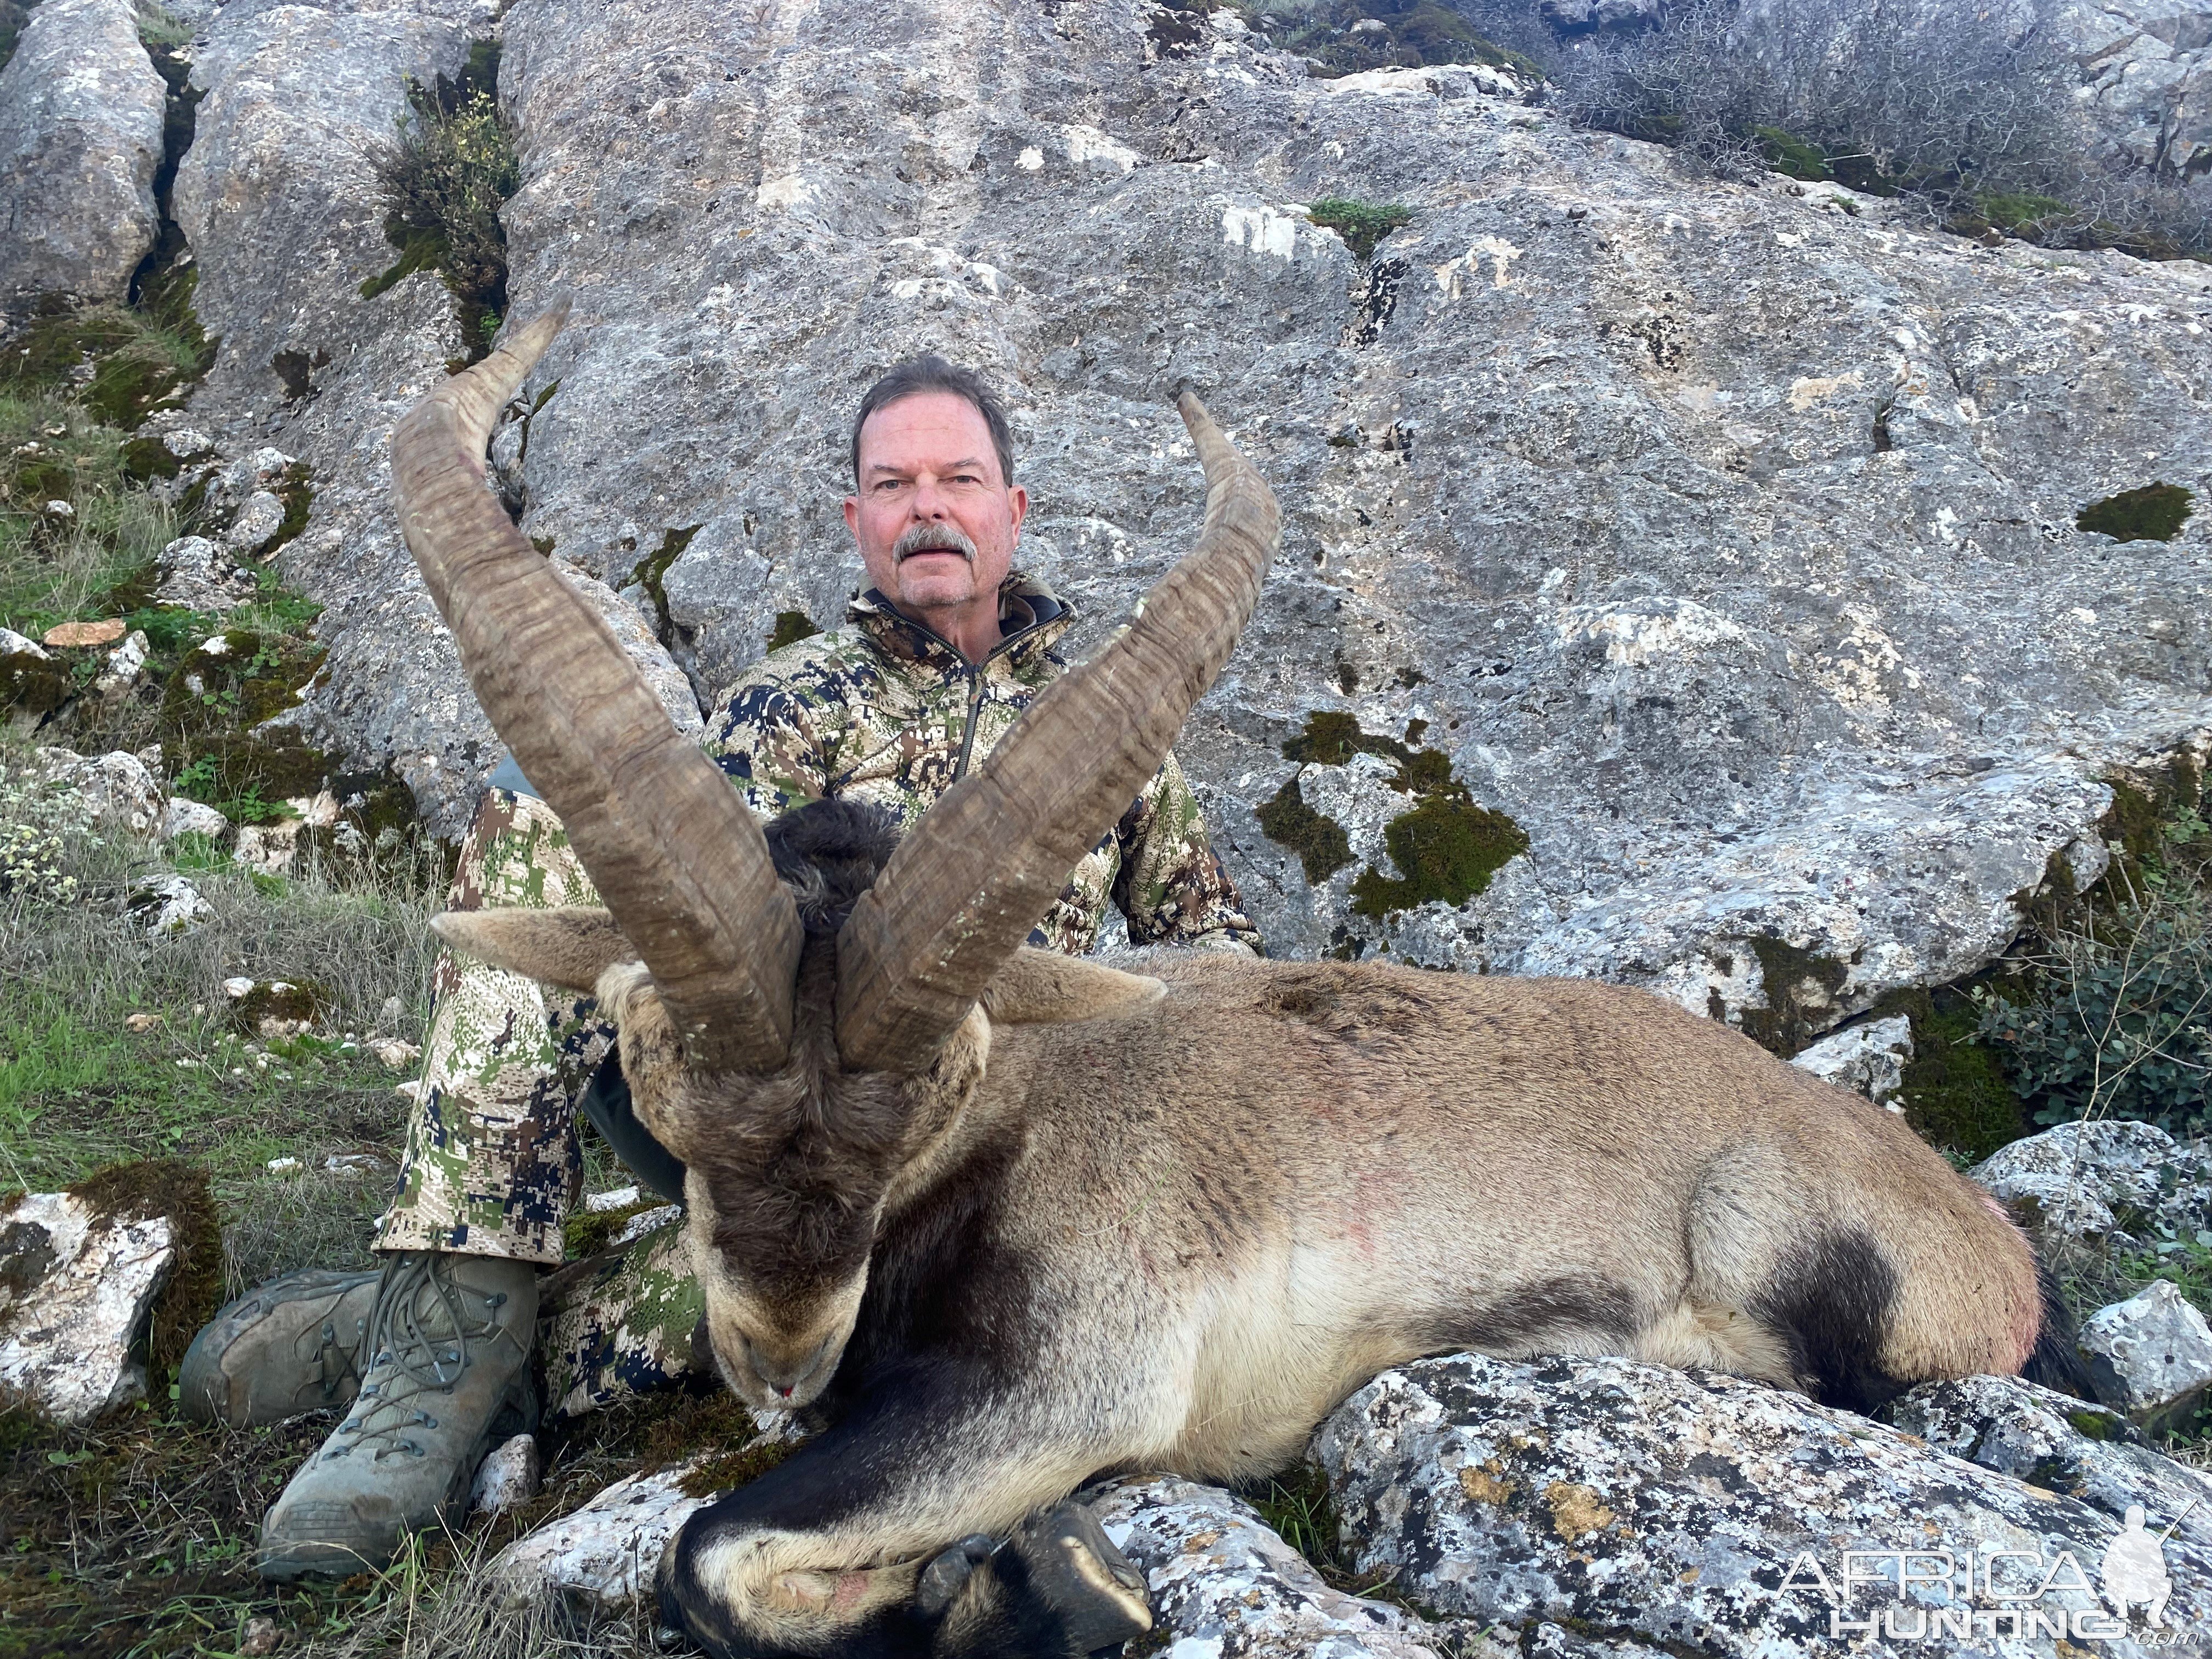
803, 1013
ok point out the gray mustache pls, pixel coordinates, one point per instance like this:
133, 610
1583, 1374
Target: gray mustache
931, 537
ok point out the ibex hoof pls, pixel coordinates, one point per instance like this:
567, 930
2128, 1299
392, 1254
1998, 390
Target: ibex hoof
1078, 1578
942, 1579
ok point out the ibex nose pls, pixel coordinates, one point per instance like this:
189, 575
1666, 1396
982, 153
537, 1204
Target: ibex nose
782, 1376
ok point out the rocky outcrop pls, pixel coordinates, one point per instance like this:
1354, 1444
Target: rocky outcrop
2112, 1179
76, 1285
1708, 1515
1715, 542
80, 142
1224, 1581
2059, 1442
277, 193
2146, 68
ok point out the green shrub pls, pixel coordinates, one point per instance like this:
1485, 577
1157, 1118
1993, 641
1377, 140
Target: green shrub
442, 182
1361, 224
2120, 1022
1415, 32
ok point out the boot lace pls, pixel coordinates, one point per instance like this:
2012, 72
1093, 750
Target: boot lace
417, 1342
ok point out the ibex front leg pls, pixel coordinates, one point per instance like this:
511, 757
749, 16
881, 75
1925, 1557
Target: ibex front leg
884, 1536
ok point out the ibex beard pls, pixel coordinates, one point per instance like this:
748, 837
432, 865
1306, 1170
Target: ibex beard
1006, 1221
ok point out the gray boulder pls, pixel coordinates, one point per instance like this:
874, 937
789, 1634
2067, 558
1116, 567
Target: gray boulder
2114, 1177
80, 141
1597, 586
77, 1284
2150, 1356
1224, 1581
1718, 540
2055, 1441
1869, 1057
1710, 1515
277, 194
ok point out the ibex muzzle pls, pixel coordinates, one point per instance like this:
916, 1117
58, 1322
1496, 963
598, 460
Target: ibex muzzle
1016, 1220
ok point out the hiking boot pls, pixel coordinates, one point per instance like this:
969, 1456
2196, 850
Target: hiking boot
285, 1347
448, 1369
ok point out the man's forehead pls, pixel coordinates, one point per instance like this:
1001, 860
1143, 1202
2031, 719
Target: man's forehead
942, 427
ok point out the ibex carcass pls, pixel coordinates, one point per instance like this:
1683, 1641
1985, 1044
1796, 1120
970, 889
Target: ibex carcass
1012, 1220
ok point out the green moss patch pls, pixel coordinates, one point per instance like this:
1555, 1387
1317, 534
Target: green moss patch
1788, 154
791, 627
1447, 847
1801, 988
2152, 513
585, 1233
1448, 850
1318, 840
1331, 739
649, 571
1956, 1094
34, 685
253, 677
170, 1189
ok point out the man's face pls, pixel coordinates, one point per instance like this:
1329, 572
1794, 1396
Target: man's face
937, 525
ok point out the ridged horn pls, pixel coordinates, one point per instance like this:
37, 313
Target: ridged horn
659, 829
984, 863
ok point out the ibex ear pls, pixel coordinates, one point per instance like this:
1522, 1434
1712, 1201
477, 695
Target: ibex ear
1040, 987
569, 947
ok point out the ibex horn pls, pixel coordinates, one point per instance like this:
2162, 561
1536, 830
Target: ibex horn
984, 863
659, 828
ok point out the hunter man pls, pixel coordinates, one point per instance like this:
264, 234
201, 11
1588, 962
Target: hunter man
444, 1348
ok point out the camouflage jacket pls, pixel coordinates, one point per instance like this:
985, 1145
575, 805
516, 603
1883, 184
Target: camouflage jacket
884, 710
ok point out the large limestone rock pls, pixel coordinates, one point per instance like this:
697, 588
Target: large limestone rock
80, 141
277, 193
2095, 1180
2054, 1441
2146, 70
1721, 540
1224, 1582
77, 1283
1710, 1515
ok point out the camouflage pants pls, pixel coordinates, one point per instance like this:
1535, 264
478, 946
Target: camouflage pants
492, 1164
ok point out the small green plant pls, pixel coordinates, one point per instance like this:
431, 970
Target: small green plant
2153, 513
442, 181
1361, 224
2021, 213
1786, 152
2120, 1022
